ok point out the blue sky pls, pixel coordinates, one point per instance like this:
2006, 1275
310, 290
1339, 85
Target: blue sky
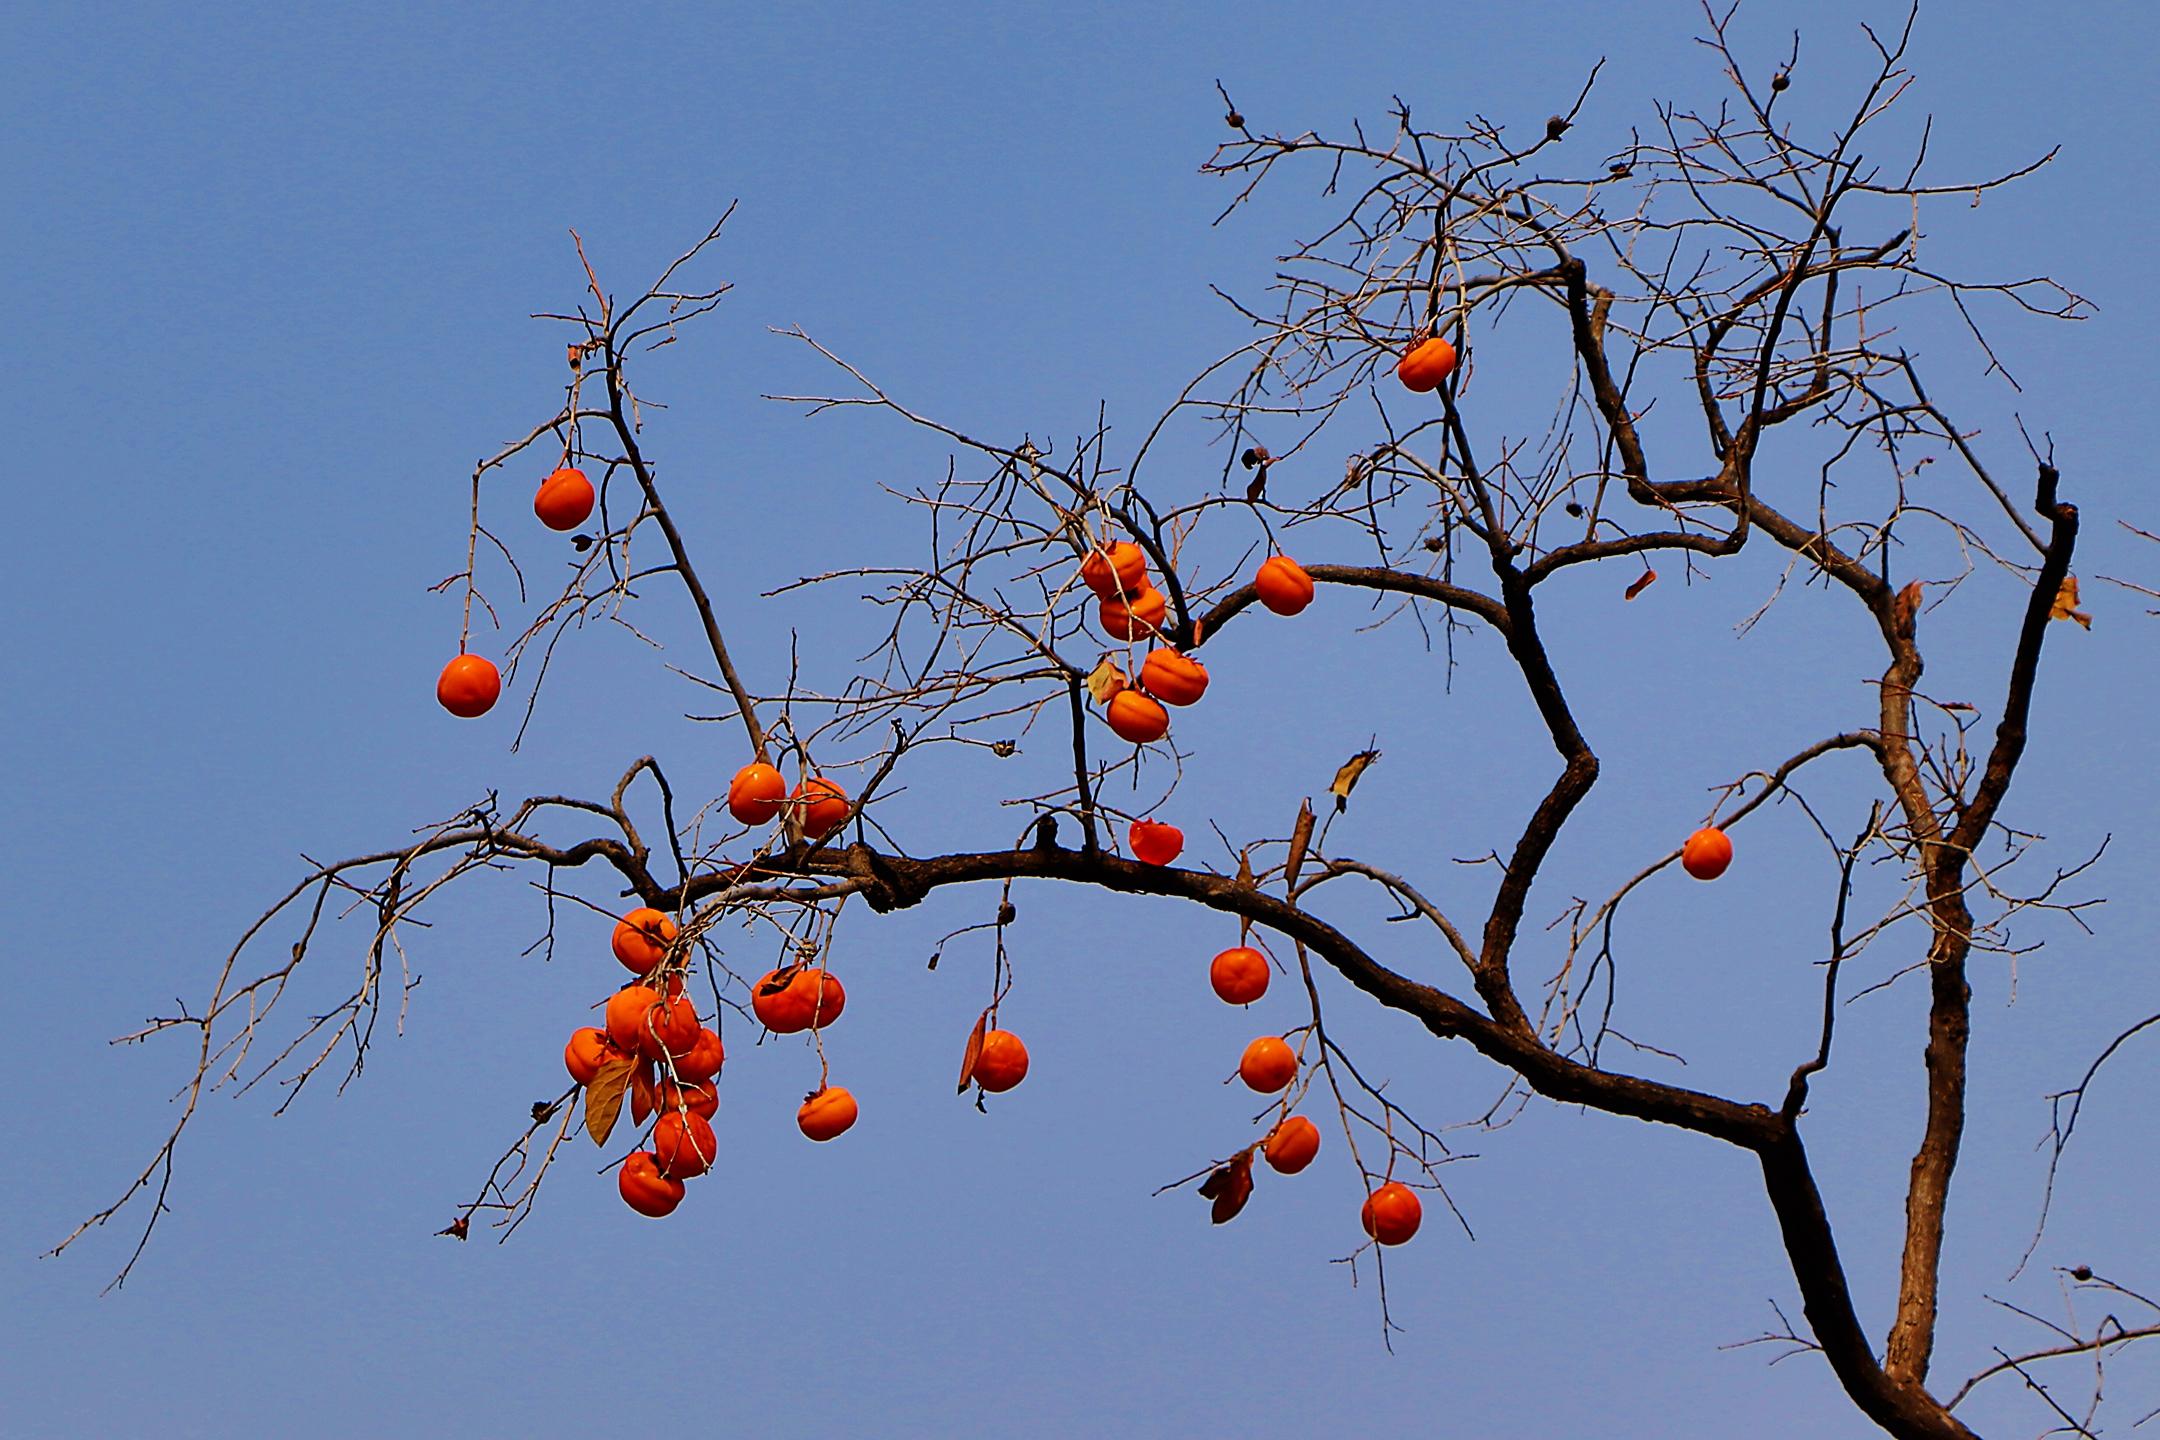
271, 270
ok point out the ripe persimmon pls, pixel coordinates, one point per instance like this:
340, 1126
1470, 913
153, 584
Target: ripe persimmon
641, 939
1291, 1146
671, 1028
626, 1010
1116, 569
826, 1113
564, 499
1240, 976
1003, 1062
704, 1059
588, 1050
701, 1098
1284, 586
645, 1189
1155, 843
683, 1144
1424, 366
756, 793
801, 997
469, 686
1392, 1213
1137, 718
1135, 617
1172, 678
823, 806
1268, 1064
1706, 854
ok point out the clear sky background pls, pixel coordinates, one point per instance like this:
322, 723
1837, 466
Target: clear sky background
269, 270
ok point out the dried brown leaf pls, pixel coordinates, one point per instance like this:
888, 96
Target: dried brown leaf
604, 1097
1230, 1186
974, 1050
1300, 842
1648, 578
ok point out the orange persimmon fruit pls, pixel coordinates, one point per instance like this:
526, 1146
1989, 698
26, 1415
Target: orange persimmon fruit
1137, 718
683, 1144
1268, 1064
824, 805
1392, 1213
564, 499
1706, 854
1119, 568
645, 1189
469, 686
1003, 1062
1424, 366
1284, 586
1240, 976
827, 1113
1135, 617
803, 997
641, 939
1291, 1146
756, 793
1172, 678
1155, 843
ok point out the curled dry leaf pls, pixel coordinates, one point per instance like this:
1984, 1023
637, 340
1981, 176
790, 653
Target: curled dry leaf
2065, 606
1346, 777
1300, 843
1106, 680
1905, 609
604, 1097
1647, 579
974, 1050
1230, 1186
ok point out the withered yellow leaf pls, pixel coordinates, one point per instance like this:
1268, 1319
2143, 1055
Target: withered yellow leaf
1105, 680
1346, 778
2065, 606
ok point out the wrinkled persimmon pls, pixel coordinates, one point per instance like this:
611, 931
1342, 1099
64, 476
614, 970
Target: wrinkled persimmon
626, 1010
645, 1189
1172, 678
699, 1098
683, 1144
802, 997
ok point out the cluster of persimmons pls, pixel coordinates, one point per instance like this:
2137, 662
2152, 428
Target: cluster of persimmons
653, 1048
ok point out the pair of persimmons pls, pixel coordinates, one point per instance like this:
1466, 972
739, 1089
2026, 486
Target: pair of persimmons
470, 684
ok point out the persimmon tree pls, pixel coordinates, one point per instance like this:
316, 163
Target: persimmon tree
1749, 282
